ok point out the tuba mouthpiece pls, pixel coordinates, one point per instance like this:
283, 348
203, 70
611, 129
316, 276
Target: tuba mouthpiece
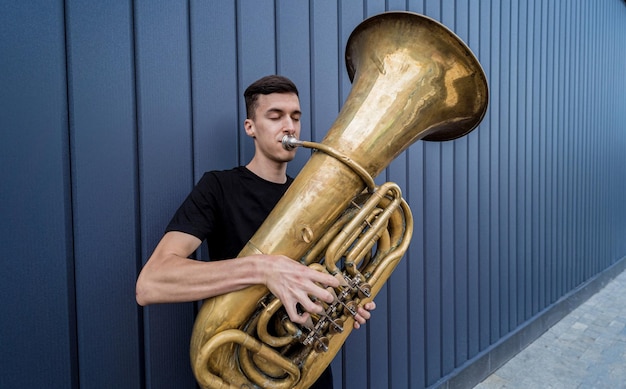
290, 142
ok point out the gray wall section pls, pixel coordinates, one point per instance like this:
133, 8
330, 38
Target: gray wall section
111, 111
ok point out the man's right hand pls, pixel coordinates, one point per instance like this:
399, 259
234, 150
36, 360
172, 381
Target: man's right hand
294, 283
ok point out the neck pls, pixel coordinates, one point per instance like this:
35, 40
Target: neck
269, 170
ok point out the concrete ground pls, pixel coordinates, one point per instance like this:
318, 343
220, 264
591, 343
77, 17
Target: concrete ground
586, 349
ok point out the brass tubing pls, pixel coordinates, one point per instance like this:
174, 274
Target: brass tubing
384, 269
263, 323
322, 244
253, 370
344, 235
371, 236
248, 342
289, 142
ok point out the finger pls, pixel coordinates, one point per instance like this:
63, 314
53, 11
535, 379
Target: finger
308, 305
323, 278
293, 313
301, 318
323, 294
318, 292
364, 315
370, 306
299, 314
358, 321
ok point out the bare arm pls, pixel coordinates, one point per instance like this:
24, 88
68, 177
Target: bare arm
170, 276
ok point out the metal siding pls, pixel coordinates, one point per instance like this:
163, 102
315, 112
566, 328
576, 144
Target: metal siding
325, 67
512, 153
102, 131
557, 125
503, 162
293, 54
214, 88
164, 121
473, 139
461, 218
416, 269
508, 219
567, 140
495, 102
521, 175
256, 54
552, 100
38, 318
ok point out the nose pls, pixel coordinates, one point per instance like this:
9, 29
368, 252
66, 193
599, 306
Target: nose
289, 126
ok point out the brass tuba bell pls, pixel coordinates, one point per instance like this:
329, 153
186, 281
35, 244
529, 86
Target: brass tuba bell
412, 79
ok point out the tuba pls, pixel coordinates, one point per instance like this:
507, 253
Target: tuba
412, 79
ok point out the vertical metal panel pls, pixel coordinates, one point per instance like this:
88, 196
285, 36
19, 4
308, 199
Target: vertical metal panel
494, 185
256, 53
325, 67
461, 213
37, 311
293, 53
520, 160
504, 173
551, 156
215, 92
484, 204
472, 204
165, 156
512, 153
558, 126
102, 115
567, 140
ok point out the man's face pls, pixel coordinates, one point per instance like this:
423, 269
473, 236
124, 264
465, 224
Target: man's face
276, 115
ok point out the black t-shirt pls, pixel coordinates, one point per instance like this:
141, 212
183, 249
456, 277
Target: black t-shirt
226, 208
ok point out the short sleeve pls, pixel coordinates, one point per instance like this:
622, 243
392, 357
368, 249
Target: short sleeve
197, 215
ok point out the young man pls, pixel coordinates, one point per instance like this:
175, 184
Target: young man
226, 208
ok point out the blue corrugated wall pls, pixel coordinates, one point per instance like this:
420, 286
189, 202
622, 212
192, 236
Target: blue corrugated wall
111, 110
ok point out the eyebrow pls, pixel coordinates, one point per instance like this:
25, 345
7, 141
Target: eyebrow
281, 111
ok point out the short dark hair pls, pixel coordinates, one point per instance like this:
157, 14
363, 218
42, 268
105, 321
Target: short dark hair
265, 86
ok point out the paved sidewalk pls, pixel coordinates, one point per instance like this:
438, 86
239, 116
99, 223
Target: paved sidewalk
586, 349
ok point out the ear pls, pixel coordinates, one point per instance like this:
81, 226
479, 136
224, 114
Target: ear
248, 125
